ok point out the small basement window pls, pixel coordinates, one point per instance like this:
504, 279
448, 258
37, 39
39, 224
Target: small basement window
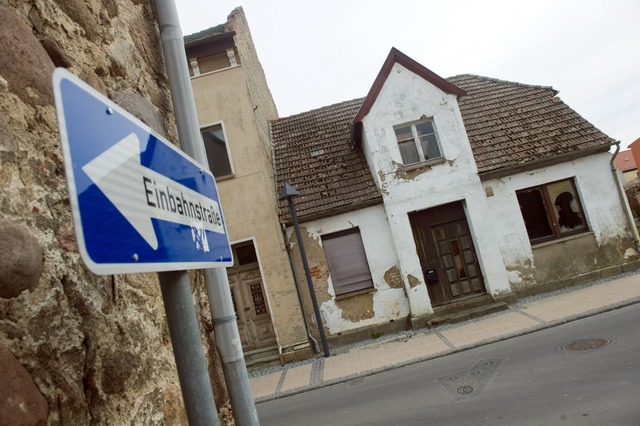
552, 211
347, 261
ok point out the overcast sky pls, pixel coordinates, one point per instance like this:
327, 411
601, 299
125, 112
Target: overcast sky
316, 53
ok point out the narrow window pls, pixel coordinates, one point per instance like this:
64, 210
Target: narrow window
417, 142
347, 261
217, 151
552, 211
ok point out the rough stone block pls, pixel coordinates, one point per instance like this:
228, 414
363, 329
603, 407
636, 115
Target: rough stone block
26, 65
21, 403
20, 260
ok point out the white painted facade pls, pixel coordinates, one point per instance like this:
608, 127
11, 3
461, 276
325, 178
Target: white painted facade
491, 208
596, 187
388, 303
406, 97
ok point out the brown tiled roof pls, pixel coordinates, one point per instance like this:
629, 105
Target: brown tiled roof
314, 153
511, 124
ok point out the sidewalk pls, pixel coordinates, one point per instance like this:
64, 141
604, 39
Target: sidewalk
384, 354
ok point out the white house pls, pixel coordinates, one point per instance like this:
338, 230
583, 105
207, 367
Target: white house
430, 197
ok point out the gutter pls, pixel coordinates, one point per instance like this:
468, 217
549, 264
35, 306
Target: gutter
623, 199
542, 162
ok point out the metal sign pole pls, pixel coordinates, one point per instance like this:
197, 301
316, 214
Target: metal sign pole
187, 349
218, 289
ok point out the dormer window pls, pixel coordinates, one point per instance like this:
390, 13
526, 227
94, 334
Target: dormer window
417, 142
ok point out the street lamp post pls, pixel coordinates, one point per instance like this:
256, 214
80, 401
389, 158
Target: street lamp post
289, 192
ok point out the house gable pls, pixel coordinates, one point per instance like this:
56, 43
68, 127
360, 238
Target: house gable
397, 154
397, 57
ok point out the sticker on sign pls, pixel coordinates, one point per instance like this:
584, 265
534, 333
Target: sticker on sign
139, 204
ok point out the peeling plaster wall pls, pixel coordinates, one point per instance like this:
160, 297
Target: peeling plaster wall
406, 97
94, 349
387, 302
568, 259
249, 198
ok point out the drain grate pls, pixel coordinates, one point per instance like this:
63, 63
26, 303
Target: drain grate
465, 390
586, 344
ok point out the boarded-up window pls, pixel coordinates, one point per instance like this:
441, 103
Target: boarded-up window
213, 62
347, 261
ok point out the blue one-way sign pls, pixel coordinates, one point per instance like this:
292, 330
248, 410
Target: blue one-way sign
139, 204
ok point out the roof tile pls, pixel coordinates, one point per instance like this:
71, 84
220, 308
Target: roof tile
314, 153
512, 123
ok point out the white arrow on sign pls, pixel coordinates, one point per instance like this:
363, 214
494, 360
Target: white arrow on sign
142, 194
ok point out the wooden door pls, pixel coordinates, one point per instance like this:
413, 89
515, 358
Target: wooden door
250, 303
458, 259
446, 253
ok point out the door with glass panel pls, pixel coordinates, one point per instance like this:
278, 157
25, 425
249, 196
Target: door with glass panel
249, 300
446, 252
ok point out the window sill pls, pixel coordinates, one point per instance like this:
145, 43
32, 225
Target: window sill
204, 74
227, 177
561, 240
355, 293
426, 163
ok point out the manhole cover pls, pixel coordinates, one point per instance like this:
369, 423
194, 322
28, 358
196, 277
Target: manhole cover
464, 390
586, 344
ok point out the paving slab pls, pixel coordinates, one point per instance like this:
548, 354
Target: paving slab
584, 300
296, 378
488, 329
267, 385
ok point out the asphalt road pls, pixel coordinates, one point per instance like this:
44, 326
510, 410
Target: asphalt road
527, 380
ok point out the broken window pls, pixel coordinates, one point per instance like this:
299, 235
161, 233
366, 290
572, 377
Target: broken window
347, 261
417, 142
552, 211
217, 150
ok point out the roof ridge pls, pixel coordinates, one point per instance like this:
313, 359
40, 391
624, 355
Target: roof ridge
316, 110
206, 33
502, 81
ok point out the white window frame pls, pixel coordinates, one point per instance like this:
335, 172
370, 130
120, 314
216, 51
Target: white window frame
416, 141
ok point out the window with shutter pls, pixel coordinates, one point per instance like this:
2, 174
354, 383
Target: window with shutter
347, 261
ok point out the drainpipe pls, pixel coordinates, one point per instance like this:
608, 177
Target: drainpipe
623, 199
316, 345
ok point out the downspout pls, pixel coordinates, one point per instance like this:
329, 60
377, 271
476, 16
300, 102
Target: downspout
623, 199
316, 346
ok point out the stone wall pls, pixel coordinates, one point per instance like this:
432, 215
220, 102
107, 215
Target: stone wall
75, 348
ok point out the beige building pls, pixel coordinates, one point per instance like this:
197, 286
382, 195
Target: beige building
234, 107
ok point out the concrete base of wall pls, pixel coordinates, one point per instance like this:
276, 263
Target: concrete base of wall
463, 310
297, 353
364, 333
532, 290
